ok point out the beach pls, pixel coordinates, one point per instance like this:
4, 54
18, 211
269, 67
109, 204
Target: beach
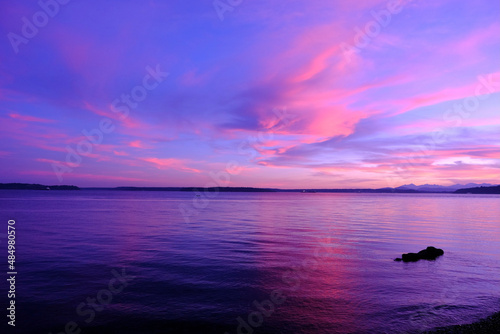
487, 325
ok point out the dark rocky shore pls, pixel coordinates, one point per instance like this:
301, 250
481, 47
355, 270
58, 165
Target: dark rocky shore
489, 325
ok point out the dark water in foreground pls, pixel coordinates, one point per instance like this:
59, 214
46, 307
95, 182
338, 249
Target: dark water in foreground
282, 262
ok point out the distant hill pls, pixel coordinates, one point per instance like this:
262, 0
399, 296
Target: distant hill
27, 186
437, 188
212, 189
479, 190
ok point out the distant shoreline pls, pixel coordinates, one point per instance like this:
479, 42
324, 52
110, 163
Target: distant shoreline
401, 190
35, 186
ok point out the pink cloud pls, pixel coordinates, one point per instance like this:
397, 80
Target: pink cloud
195, 78
120, 153
170, 163
49, 161
30, 118
137, 144
34, 134
471, 44
490, 152
437, 126
74, 175
475, 88
129, 121
318, 64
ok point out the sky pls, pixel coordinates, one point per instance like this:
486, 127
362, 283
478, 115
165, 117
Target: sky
282, 94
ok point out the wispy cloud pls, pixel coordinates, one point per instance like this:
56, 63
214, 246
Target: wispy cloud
353, 120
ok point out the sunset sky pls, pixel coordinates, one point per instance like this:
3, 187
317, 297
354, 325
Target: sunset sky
287, 94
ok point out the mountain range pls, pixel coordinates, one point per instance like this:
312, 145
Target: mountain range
438, 188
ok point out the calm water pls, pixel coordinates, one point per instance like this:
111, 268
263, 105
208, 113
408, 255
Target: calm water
281, 262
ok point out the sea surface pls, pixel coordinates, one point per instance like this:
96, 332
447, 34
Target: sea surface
98, 261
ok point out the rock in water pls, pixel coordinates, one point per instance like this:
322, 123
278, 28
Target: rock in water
430, 253
411, 257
